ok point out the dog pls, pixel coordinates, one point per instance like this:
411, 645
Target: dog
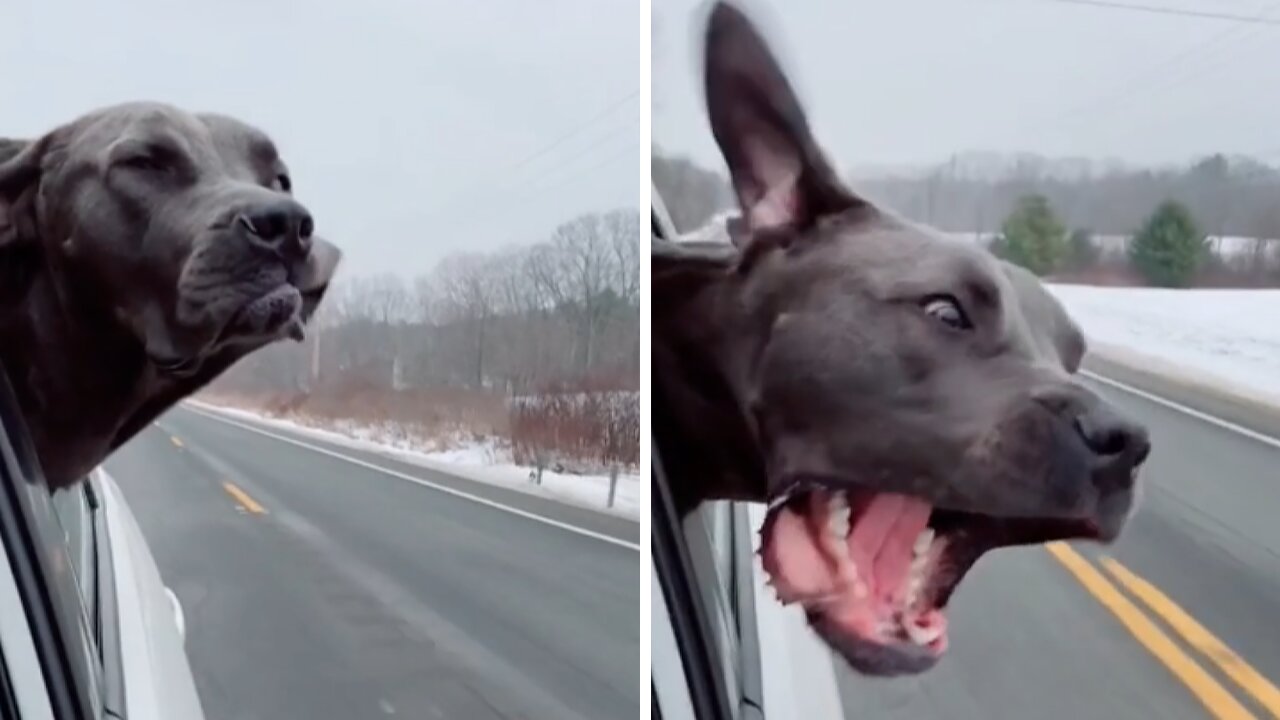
143, 250
903, 401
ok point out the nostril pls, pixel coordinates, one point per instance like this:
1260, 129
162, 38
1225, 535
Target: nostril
1143, 447
266, 225
282, 227
1109, 435
1102, 440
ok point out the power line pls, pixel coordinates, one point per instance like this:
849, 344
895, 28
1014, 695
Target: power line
1166, 74
629, 150
577, 129
1159, 75
493, 178
1164, 10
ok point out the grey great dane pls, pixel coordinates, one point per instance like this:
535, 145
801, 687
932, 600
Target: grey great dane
904, 402
143, 250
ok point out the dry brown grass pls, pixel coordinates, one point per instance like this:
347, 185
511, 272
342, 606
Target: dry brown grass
433, 417
598, 428
587, 430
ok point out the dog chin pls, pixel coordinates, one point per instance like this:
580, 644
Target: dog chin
275, 315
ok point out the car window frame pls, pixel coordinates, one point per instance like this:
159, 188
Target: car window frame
728, 605
106, 606
688, 619
36, 549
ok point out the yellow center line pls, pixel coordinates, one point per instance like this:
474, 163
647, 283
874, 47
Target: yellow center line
243, 498
176, 441
1234, 666
1211, 694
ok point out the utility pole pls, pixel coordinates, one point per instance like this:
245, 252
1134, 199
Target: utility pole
315, 356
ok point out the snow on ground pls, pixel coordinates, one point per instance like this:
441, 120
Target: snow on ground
1230, 335
482, 461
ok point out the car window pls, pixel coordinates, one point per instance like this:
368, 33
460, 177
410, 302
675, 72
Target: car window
71, 505
708, 535
39, 551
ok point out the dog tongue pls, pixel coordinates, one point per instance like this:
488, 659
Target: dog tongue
804, 564
883, 536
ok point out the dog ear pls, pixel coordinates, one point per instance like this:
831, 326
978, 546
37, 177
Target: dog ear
781, 177
20, 169
20, 163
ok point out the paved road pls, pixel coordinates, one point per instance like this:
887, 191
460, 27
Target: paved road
1033, 639
319, 588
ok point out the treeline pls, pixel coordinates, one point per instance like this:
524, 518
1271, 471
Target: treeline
1101, 209
443, 355
1169, 250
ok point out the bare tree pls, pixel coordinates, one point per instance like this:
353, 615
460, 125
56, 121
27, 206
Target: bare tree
520, 319
623, 230
466, 282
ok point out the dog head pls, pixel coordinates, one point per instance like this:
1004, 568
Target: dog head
910, 395
147, 233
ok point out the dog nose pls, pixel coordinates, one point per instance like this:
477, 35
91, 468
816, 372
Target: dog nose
1119, 443
283, 226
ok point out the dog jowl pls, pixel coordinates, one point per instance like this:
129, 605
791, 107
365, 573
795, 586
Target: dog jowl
143, 249
904, 402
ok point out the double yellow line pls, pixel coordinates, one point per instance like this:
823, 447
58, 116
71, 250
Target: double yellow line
1216, 699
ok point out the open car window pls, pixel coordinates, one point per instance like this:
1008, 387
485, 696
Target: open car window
714, 557
45, 582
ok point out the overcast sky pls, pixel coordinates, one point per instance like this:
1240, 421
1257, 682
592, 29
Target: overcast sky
405, 122
912, 81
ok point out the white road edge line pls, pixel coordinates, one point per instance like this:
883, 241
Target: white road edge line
1224, 424
418, 481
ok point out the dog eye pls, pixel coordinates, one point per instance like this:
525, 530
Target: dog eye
145, 161
285, 183
946, 310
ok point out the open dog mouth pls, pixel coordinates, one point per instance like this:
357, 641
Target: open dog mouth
874, 571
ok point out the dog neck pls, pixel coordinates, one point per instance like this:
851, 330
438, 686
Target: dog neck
702, 348
75, 371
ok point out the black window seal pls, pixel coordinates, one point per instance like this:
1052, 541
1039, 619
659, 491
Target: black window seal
107, 609
750, 670
27, 521
689, 624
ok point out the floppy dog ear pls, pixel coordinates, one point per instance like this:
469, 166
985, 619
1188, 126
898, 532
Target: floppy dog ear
780, 176
20, 168
19, 172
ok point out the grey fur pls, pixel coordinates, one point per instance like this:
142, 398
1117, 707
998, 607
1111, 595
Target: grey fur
143, 249
813, 351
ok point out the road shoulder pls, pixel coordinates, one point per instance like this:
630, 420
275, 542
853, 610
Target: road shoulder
1207, 395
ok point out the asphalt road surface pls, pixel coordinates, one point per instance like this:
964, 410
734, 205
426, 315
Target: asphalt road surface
321, 588
1177, 620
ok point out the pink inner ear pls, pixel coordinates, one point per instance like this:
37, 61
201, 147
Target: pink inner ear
777, 174
780, 206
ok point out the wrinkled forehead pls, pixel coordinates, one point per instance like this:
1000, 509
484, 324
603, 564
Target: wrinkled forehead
208, 139
897, 258
1044, 323
237, 139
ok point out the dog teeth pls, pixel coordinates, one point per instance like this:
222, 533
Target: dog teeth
922, 635
923, 541
779, 501
838, 517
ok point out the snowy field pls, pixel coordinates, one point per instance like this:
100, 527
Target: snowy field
482, 462
1232, 336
